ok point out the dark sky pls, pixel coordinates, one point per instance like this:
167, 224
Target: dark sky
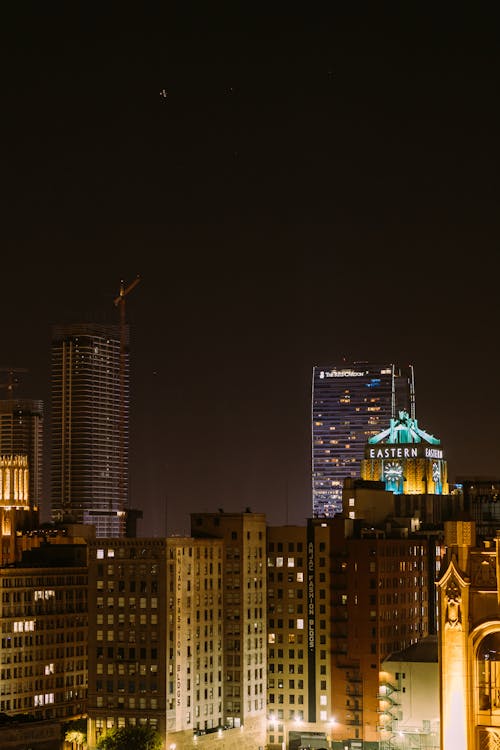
310, 187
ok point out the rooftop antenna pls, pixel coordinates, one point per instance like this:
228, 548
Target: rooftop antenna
120, 302
412, 393
393, 393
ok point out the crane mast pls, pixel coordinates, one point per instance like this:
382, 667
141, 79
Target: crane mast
120, 303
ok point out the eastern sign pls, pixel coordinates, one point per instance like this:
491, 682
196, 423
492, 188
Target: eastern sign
403, 451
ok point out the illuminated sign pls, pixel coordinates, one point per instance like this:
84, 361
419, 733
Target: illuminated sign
404, 451
178, 629
310, 594
433, 453
340, 374
311, 625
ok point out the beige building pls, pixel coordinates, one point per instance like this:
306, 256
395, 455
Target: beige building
409, 697
244, 618
194, 635
155, 637
469, 640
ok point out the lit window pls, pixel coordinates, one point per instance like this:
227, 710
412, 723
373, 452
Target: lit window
100, 554
279, 562
291, 562
300, 577
300, 624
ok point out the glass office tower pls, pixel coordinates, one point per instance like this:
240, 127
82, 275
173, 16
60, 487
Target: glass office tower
350, 403
90, 426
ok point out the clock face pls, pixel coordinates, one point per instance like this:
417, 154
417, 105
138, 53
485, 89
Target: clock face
436, 472
393, 470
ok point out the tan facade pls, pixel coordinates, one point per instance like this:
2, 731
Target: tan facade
155, 637
194, 635
244, 613
469, 641
409, 701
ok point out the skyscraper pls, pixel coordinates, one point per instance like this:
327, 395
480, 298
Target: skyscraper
350, 403
90, 426
21, 434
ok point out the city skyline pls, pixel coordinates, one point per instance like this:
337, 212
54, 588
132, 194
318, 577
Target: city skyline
292, 191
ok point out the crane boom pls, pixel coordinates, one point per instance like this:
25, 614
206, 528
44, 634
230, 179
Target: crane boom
123, 292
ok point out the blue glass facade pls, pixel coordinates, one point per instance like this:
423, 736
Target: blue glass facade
351, 402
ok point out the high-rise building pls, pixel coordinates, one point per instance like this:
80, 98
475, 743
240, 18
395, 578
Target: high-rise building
21, 434
90, 426
244, 614
173, 634
350, 403
127, 635
342, 595
298, 607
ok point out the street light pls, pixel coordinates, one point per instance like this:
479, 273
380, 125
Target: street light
332, 722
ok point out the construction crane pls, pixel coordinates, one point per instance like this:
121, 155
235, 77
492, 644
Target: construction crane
12, 381
120, 302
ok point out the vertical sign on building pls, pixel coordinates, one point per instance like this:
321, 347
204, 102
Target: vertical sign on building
178, 639
311, 625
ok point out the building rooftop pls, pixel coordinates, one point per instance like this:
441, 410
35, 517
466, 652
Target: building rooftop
426, 650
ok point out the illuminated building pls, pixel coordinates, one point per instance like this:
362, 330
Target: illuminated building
469, 640
90, 439
44, 633
127, 634
155, 635
244, 616
407, 459
298, 633
21, 433
163, 647
342, 596
409, 697
351, 402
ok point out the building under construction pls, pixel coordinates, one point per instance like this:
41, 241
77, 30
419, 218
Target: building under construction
90, 426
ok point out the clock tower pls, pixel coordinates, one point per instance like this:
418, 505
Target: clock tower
406, 458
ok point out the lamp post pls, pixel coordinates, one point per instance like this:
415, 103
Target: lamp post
332, 723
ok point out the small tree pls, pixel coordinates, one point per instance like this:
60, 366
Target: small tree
140, 737
76, 737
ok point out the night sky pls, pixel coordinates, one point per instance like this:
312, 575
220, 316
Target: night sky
292, 189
